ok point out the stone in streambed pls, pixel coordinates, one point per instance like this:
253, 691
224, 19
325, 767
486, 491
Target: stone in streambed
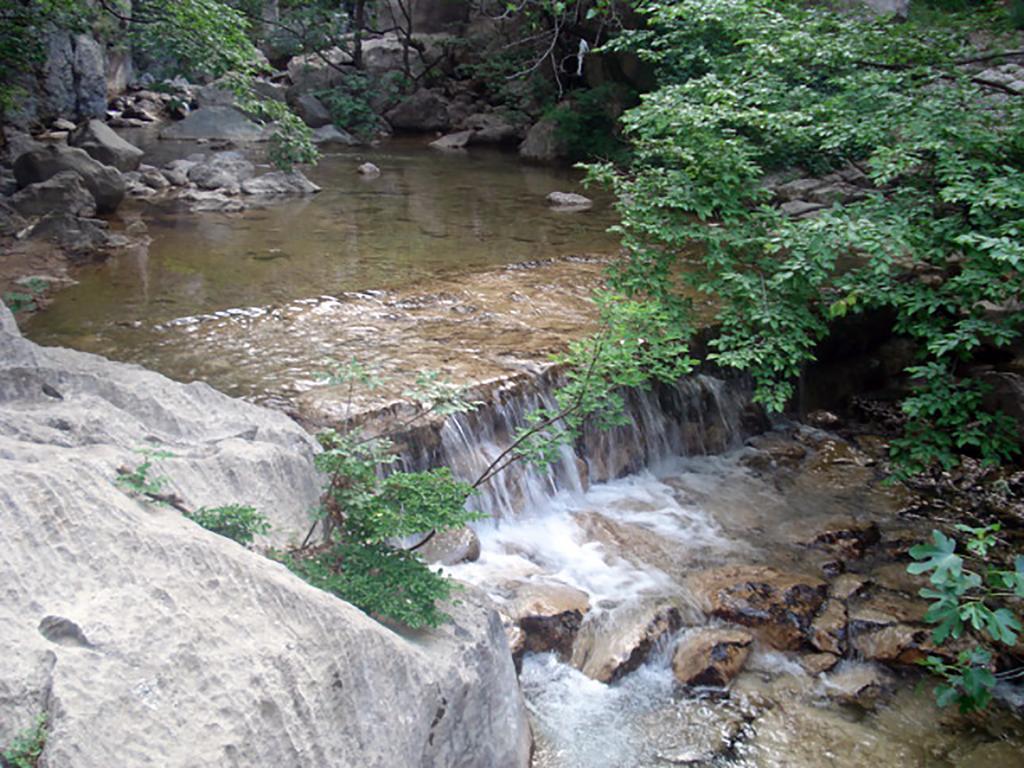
546, 616
280, 183
613, 643
64, 192
460, 545
711, 656
569, 201
828, 630
105, 146
104, 183
216, 123
779, 606
453, 141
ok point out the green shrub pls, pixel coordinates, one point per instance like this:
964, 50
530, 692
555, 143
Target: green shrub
235, 521
368, 512
367, 516
587, 124
748, 88
350, 103
963, 598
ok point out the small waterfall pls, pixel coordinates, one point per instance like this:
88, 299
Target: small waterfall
699, 415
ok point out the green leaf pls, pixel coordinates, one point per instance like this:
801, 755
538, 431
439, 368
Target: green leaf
938, 557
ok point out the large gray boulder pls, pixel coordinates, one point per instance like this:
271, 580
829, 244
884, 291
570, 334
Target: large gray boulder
81, 238
104, 145
542, 142
105, 183
63, 192
223, 170
311, 110
425, 110
319, 71
216, 123
149, 641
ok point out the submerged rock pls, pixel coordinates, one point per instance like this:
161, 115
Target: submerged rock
220, 656
280, 183
711, 656
569, 201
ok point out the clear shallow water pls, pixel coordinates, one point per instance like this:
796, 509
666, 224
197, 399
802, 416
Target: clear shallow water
428, 214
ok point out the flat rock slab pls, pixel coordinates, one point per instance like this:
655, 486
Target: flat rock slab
218, 122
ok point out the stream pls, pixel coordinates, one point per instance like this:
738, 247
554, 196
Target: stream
411, 271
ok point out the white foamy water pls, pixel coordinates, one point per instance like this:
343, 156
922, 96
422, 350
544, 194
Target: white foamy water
551, 541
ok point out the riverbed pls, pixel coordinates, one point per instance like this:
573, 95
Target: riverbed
455, 263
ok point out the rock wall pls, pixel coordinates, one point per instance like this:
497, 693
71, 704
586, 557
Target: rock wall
71, 82
149, 641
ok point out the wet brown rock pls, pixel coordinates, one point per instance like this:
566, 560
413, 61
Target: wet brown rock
861, 684
816, 663
847, 585
780, 606
828, 630
894, 576
711, 656
547, 616
774, 450
613, 643
884, 607
847, 538
893, 644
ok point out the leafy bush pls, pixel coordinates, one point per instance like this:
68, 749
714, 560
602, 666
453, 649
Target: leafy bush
587, 124
350, 103
235, 521
748, 88
27, 747
962, 598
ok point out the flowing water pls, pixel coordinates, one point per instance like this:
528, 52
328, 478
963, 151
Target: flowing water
407, 272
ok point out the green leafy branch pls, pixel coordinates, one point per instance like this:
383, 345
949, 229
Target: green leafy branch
962, 599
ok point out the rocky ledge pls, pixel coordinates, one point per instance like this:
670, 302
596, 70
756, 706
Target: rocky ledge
147, 640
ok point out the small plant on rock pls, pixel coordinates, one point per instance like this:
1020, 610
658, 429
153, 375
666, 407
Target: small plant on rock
139, 482
374, 520
963, 599
235, 521
27, 747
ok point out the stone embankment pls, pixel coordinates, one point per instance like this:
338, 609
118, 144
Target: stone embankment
147, 640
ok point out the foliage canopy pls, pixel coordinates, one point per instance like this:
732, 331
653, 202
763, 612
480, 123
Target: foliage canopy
749, 88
